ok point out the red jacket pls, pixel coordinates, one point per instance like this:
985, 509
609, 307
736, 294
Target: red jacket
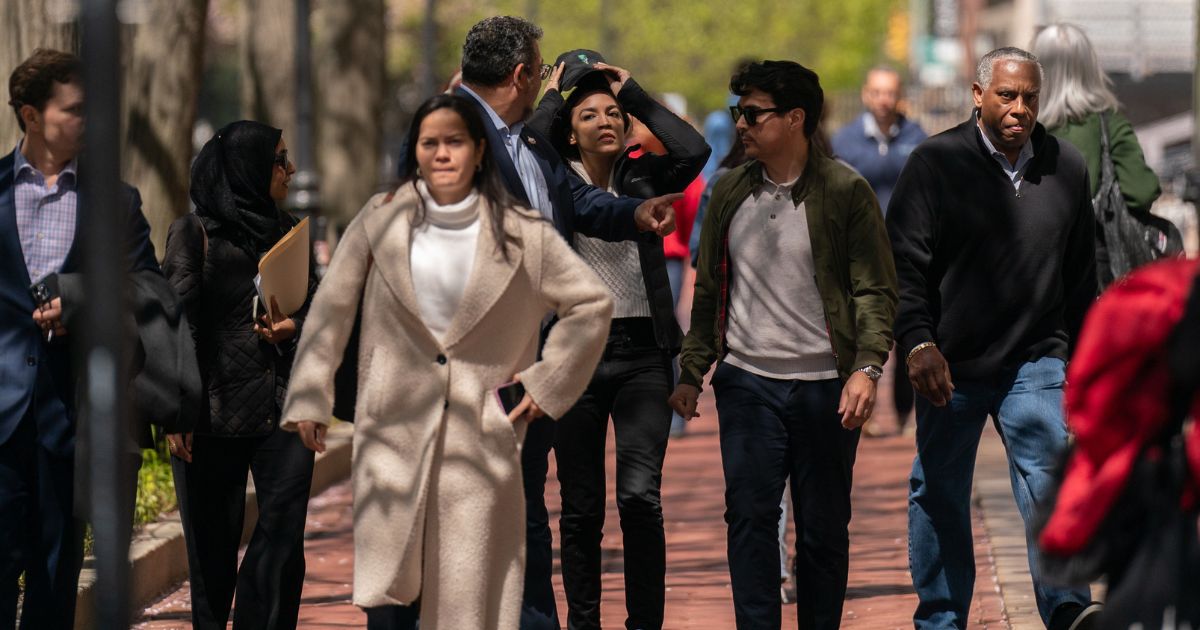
675, 244
1117, 398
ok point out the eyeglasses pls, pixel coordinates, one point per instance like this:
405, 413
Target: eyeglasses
752, 113
545, 71
281, 159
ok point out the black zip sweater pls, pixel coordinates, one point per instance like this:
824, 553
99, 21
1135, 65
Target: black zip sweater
996, 277
647, 176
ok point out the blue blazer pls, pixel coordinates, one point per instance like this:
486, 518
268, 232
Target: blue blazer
34, 373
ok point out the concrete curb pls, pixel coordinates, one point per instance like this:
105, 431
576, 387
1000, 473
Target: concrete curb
157, 556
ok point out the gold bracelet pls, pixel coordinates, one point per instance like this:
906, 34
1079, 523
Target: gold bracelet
917, 348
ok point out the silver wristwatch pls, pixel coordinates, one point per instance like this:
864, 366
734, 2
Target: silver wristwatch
871, 371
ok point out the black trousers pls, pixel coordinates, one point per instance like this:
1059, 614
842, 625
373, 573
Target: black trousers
771, 430
631, 384
394, 617
539, 611
212, 500
39, 534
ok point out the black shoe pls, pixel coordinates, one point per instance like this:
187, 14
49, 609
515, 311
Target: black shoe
1074, 616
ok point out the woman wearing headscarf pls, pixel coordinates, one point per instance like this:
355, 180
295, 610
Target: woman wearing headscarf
451, 281
590, 127
245, 361
1078, 105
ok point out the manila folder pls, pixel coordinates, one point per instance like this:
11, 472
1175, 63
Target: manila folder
284, 270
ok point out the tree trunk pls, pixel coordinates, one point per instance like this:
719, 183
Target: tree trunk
162, 82
26, 25
268, 54
349, 40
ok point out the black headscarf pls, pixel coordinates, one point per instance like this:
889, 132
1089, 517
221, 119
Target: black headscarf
231, 186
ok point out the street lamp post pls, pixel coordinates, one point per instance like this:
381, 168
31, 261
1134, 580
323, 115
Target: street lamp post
105, 409
305, 200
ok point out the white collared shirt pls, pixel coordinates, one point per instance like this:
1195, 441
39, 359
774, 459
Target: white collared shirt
1014, 171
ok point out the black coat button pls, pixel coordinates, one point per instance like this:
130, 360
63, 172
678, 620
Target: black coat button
30, 360
441, 359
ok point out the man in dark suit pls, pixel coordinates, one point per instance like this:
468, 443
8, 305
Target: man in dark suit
502, 72
40, 229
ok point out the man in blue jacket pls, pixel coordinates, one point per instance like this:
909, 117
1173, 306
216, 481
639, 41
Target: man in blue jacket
41, 226
877, 145
878, 142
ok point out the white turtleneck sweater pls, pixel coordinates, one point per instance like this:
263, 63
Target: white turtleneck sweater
442, 255
618, 264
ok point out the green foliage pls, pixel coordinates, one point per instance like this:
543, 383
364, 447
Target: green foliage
156, 485
691, 46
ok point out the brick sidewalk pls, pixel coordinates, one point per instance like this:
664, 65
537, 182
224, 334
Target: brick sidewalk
879, 594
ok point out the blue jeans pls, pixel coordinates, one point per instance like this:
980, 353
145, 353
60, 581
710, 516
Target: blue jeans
773, 430
675, 269
1027, 407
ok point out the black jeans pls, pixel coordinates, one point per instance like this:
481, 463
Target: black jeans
770, 430
632, 384
539, 610
212, 501
394, 617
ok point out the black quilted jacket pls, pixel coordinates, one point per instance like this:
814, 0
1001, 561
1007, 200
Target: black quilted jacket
245, 378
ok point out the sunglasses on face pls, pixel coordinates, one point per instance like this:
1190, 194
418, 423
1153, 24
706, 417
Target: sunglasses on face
281, 159
545, 71
752, 113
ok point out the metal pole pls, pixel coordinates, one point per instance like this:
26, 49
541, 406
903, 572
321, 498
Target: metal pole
429, 83
305, 200
1196, 90
105, 409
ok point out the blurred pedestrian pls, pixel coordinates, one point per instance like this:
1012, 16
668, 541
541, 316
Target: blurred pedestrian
42, 305
795, 294
878, 142
992, 230
1127, 509
451, 278
245, 352
1078, 106
634, 378
877, 145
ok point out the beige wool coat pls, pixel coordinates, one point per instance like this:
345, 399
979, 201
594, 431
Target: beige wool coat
439, 509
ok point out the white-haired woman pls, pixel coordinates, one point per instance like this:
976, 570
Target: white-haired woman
1075, 94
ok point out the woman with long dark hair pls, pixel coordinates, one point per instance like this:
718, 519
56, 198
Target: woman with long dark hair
212, 256
632, 383
451, 281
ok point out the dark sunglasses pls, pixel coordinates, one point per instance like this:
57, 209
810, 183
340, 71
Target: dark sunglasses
752, 113
281, 159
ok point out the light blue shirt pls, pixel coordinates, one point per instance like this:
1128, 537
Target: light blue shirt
46, 216
1014, 171
527, 166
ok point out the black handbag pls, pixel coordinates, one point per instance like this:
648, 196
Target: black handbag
1131, 239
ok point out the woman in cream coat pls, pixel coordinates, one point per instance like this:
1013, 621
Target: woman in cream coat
448, 315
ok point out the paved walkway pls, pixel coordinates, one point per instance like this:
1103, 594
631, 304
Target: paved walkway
879, 595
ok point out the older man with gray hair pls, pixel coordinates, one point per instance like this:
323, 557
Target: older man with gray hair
992, 230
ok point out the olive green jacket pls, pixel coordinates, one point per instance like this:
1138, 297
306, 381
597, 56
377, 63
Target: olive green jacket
1139, 185
855, 272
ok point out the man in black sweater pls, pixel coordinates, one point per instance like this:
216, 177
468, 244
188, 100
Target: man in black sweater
992, 229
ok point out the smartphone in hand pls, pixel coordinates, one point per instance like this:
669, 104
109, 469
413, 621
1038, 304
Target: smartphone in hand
509, 395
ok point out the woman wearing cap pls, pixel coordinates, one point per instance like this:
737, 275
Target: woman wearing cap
211, 260
634, 378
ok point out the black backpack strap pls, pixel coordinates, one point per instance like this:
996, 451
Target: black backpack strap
1183, 359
